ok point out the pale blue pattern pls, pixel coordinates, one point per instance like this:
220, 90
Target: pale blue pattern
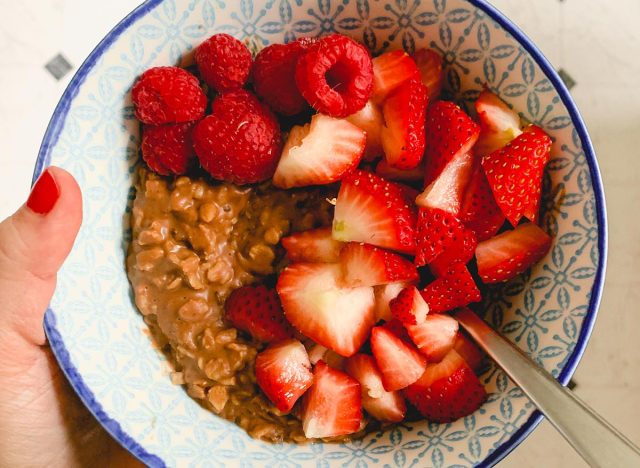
93, 318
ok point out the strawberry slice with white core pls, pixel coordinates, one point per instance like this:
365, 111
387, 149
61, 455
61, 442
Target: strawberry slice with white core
382, 405
400, 363
409, 307
447, 191
333, 405
320, 152
454, 289
370, 119
316, 303
435, 337
479, 211
384, 294
372, 210
315, 246
447, 390
436, 231
390, 70
367, 265
318, 352
283, 372
467, 349
498, 123
385, 170
403, 136
449, 133
512, 252
429, 63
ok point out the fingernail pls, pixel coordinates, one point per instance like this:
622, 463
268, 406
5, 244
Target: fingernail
44, 194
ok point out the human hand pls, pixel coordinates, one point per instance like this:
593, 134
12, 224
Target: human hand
42, 422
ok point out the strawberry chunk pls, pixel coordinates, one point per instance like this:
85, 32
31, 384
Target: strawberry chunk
333, 405
461, 251
447, 390
404, 115
514, 173
320, 152
479, 211
385, 170
450, 132
257, 311
372, 210
390, 70
382, 405
319, 307
467, 349
367, 265
436, 231
498, 123
283, 372
384, 294
409, 307
400, 363
315, 246
429, 64
370, 119
396, 327
508, 254
455, 289
435, 337
447, 190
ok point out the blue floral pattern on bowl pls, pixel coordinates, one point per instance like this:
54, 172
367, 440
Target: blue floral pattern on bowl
101, 340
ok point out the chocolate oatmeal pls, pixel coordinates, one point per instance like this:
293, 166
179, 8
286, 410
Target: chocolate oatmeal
193, 243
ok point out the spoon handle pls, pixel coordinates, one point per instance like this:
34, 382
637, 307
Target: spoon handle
599, 443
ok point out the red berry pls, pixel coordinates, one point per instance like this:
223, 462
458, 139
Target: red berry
168, 95
168, 149
274, 77
335, 75
224, 62
240, 141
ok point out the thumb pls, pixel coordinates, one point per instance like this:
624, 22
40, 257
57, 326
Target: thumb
34, 242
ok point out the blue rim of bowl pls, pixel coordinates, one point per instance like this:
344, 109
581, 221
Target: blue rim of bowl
113, 427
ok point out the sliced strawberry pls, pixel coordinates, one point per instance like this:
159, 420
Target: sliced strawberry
257, 311
479, 211
400, 363
467, 349
429, 64
372, 210
383, 169
390, 70
370, 119
396, 327
455, 289
367, 265
508, 254
317, 305
514, 173
315, 246
447, 390
498, 123
450, 132
436, 231
461, 251
447, 190
404, 116
409, 307
435, 337
320, 152
382, 405
383, 295
283, 372
331, 358
333, 405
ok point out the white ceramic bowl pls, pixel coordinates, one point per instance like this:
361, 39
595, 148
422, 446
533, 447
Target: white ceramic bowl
100, 339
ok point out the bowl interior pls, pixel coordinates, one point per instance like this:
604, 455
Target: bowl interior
100, 338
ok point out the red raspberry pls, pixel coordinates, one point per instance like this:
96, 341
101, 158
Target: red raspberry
274, 77
240, 141
168, 149
224, 62
168, 95
335, 75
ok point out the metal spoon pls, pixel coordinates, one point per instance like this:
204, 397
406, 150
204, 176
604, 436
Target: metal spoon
599, 443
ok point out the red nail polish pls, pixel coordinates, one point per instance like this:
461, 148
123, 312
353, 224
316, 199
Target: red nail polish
44, 194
